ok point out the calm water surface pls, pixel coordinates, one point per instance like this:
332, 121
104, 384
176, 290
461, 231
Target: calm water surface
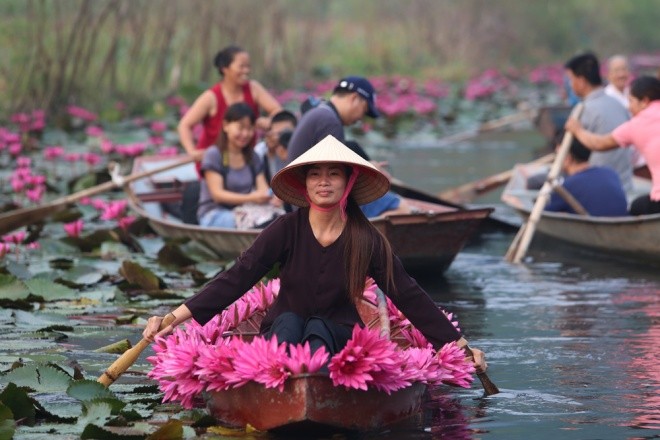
571, 340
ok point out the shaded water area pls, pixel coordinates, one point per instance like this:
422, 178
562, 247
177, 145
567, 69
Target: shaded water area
571, 339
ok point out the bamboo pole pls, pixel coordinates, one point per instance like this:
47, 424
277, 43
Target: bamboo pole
520, 244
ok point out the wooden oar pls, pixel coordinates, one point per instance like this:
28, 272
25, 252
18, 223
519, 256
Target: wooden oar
467, 192
518, 248
489, 387
489, 126
25, 216
129, 357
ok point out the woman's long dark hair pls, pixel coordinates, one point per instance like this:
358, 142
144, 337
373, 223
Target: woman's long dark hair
359, 248
236, 112
646, 87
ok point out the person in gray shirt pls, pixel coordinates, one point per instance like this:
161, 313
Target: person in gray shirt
601, 113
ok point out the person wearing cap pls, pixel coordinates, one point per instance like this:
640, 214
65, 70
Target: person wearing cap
352, 99
325, 251
271, 149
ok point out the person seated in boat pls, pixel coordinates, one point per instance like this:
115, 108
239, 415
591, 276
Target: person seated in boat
273, 148
325, 251
232, 173
233, 64
601, 113
391, 203
641, 132
597, 189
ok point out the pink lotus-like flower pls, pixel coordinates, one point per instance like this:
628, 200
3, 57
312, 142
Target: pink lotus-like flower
114, 210
214, 365
23, 162
158, 126
51, 153
459, 369
15, 238
131, 150
4, 249
126, 222
365, 353
94, 131
92, 159
301, 360
35, 194
107, 146
168, 151
73, 229
174, 366
81, 113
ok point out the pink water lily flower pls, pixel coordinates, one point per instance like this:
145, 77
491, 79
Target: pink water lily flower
4, 249
126, 222
301, 360
74, 229
451, 359
114, 210
51, 153
15, 238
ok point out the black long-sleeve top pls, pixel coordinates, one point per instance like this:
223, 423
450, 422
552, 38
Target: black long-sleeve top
313, 281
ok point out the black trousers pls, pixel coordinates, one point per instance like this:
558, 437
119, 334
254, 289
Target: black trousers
644, 205
291, 328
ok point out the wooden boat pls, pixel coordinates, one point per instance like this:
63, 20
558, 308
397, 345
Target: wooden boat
311, 403
429, 239
631, 237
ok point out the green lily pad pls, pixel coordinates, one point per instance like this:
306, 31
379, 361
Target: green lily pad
88, 390
61, 263
40, 378
19, 402
58, 407
7, 424
35, 321
139, 276
171, 255
83, 275
113, 251
94, 414
49, 290
12, 288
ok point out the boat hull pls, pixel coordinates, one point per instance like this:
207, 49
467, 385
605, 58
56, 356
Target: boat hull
313, 403
630, 237
425, 241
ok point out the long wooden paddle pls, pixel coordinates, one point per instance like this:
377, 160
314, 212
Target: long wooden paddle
487, 126
518, 248
467, 192
489, 387
129, 357
25, 216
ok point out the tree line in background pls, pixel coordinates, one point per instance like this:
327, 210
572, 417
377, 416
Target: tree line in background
99, 52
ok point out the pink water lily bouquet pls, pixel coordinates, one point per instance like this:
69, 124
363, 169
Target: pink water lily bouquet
213, 358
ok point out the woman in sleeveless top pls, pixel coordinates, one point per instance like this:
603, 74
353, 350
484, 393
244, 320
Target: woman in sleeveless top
232, 173
233, 63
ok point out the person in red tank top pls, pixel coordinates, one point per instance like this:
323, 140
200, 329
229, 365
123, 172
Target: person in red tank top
233, 64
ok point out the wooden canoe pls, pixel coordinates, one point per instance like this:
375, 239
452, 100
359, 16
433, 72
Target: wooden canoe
429, 239
311, 403
631, 237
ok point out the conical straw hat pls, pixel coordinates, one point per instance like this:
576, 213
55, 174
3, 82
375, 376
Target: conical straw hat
289, 183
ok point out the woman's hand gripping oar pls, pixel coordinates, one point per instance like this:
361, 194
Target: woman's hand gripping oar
129, 357
489, 387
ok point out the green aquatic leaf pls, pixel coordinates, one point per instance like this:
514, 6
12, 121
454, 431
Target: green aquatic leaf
7, 424
171, 255
40, 378
139, 275
83, 275
88, 390
19, 402
172, 430
113, 251
49, 290
12, 288
61, 263
58, 407
95, 414
35, 321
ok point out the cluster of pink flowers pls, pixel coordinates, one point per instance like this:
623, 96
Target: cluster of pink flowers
23, 182
109, 210
74, 228
81, 113
10, 141
15, 241
486, 85
197, 358
34, 121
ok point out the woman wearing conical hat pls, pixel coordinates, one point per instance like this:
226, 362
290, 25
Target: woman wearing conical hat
325, 250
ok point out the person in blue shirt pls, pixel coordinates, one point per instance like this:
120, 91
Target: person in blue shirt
598, 189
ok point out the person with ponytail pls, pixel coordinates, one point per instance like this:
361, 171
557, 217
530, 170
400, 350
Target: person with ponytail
325, 250
233, 64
